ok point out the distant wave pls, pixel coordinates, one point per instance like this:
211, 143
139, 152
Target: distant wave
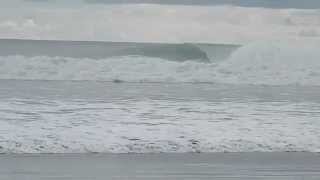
100, 50
270, 63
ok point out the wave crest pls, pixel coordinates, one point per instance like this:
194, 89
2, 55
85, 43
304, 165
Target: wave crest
274, 63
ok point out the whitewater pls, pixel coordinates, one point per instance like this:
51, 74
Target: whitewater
261, 63
152, 98
81, 77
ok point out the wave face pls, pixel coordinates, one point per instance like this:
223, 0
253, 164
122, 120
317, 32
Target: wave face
269, 63
99, 50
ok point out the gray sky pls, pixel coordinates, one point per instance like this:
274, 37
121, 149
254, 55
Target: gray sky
300, 4
304, 4
98, 20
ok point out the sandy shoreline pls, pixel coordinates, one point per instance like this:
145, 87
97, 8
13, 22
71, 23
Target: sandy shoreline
239, 166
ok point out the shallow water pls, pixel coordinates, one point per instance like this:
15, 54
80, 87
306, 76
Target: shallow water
220, 166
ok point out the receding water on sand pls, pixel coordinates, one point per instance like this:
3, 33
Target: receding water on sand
220, 166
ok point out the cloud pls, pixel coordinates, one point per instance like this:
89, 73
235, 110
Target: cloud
161, 23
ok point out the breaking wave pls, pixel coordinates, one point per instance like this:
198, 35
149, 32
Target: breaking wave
272, 63
100, 50
275, 63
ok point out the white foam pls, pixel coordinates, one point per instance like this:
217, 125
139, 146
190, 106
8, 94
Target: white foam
274, 63
46, 126
128, 68
269, 63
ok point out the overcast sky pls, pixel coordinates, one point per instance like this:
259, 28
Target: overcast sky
248, 3
299, 4
106, 20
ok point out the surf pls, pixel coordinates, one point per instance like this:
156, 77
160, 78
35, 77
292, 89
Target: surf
261, 63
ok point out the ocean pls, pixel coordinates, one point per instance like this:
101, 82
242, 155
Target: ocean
118, 97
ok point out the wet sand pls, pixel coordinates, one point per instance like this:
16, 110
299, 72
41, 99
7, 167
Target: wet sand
224, 166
